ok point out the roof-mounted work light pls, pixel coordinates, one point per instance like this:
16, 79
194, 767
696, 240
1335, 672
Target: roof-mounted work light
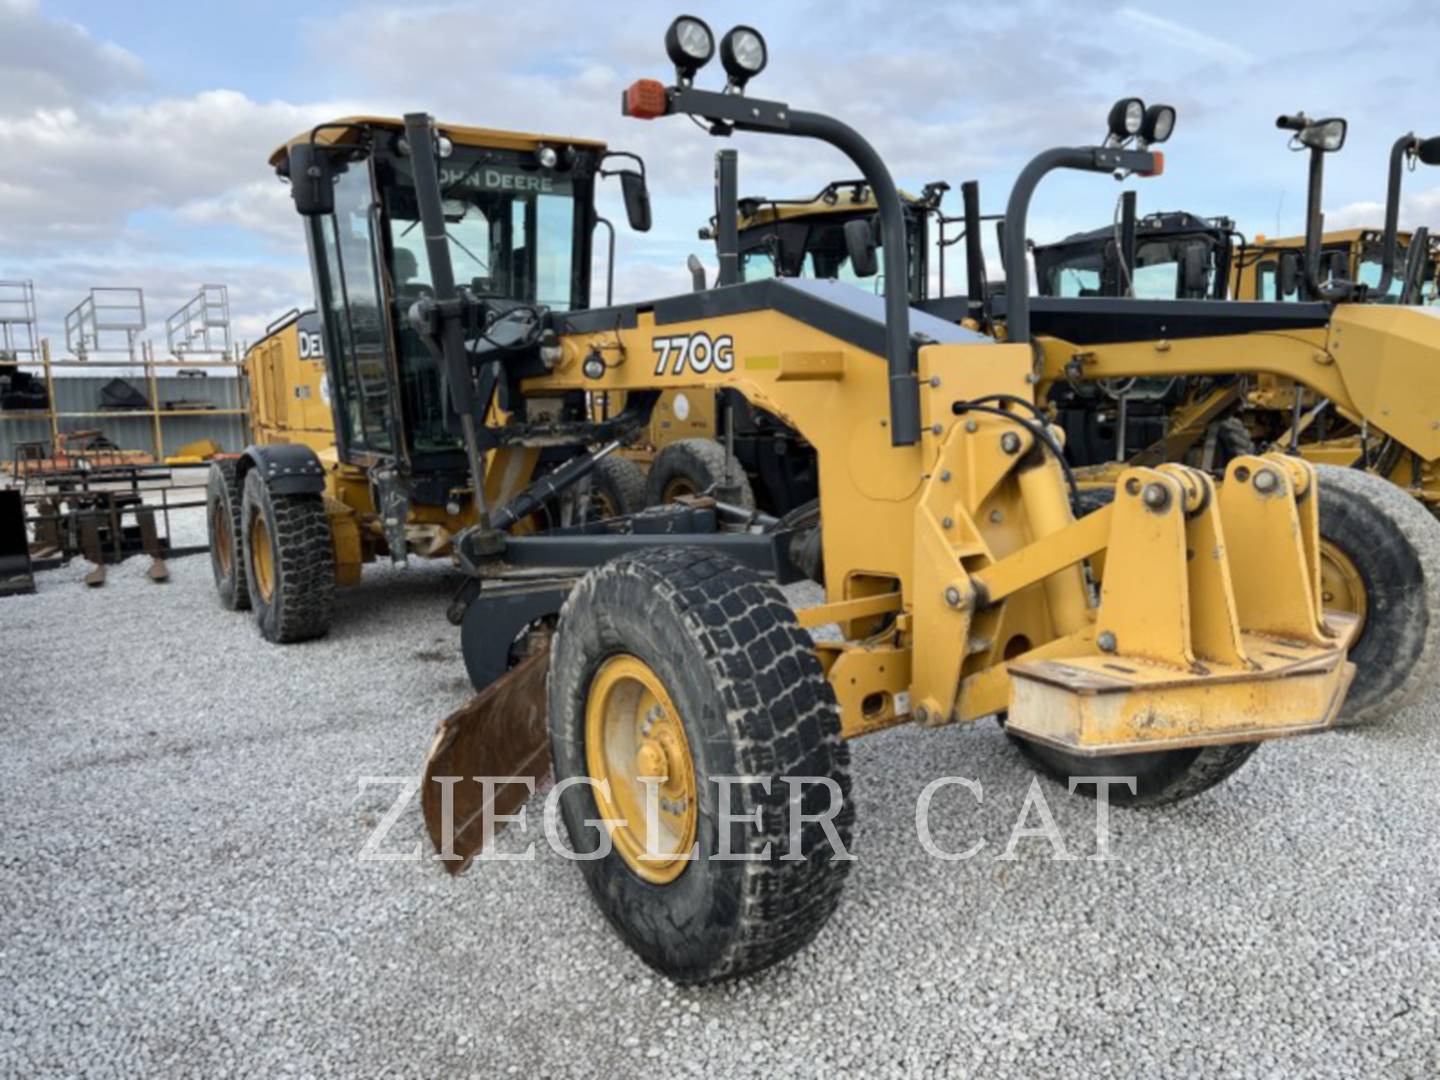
1158, 125
1327, 135
690, 45
1126, 117
743, 53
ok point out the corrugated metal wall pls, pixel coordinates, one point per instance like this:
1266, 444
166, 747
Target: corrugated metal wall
134, 431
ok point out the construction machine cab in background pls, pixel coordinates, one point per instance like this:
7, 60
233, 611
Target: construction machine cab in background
767, 464
1166, 256
805, 237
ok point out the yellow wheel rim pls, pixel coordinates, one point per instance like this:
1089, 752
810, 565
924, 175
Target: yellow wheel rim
262, 559
1341, 586
676, 488
633, 730
224, 549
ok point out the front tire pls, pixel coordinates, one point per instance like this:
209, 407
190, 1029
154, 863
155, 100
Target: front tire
1161, 776
289, 560
223, 501
1380, 557
693, 666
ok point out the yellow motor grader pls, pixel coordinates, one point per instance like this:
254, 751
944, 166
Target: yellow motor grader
698, 733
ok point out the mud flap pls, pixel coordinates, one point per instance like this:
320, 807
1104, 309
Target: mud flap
501, 733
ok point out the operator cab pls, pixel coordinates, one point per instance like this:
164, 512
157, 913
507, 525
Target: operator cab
1356, 254
519, 213
1178, 256
794, 238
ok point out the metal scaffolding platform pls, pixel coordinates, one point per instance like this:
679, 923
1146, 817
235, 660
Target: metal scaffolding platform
19, 336
108, 313
202, 325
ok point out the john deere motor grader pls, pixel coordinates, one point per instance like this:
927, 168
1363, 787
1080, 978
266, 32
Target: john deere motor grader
354, 451
687, 710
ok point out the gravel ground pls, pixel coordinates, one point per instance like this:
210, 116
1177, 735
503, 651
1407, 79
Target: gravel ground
182, 893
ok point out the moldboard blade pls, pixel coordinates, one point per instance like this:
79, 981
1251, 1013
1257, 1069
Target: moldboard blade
501, 732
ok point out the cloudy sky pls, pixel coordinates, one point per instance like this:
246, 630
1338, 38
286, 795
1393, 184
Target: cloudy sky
133, 145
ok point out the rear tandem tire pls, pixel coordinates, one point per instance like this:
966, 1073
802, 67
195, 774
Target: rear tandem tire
693, 467
1392, 546
617, 487
289, 562
223, 499
739, 677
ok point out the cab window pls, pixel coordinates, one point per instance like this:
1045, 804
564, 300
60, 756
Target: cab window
354, 320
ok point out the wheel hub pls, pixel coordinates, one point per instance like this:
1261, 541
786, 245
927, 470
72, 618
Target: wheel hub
224, 550
1341, 585
678, 488
261, 560
637, 752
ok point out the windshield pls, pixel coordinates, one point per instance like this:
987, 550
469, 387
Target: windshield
1159, 273
800, 247
1371, 267
513, 236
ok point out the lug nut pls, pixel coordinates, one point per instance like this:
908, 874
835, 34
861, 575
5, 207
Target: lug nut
1107, 642
1010, 442
953, 596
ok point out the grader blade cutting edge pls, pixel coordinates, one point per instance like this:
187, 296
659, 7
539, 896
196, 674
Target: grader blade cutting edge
487, 757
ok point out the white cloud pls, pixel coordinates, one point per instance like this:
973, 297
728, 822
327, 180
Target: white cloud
78, 173
1416, 209
48, 61
1188, 38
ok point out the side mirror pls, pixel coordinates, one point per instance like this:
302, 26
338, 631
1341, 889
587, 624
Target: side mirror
697, 273
311, 184
637, 200
860, 246
1195, 271
1429, 151
1288, 277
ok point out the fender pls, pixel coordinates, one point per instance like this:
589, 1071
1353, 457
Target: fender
286, 468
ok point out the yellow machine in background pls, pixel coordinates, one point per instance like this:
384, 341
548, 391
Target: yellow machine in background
770, 465
1352, 254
